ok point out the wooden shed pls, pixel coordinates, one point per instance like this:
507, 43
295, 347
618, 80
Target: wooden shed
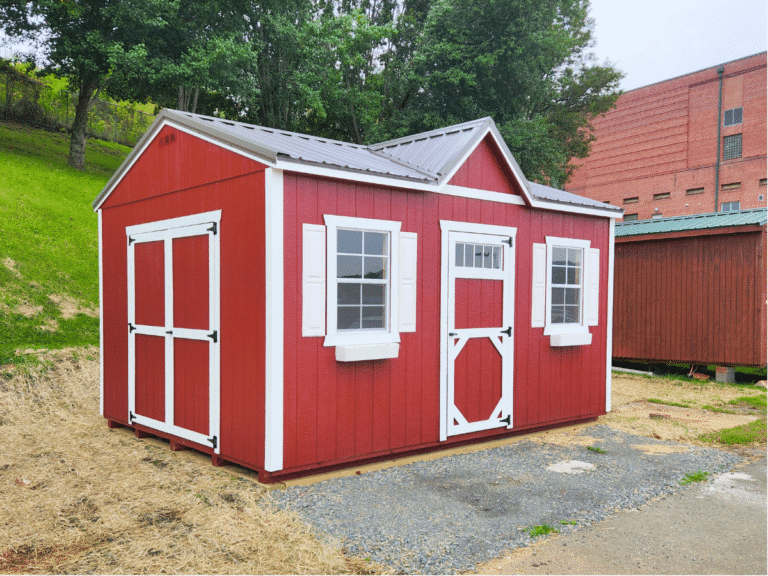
692, 289
291, 303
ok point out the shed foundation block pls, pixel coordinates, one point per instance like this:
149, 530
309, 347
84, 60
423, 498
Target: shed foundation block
725, 374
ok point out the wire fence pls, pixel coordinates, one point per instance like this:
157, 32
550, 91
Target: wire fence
29, 101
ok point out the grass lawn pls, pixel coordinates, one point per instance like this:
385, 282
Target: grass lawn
49, 289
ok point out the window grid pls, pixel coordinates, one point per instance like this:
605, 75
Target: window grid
732, 147
630, 217
362, 272
729, 206
566, 285
478, 256
733, 116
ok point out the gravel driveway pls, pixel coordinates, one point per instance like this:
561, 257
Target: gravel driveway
448, 515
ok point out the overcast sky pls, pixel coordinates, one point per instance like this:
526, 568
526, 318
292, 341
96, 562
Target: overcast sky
654, 40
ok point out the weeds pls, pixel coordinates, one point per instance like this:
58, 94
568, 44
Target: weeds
542, 530
568, 522
757, 402
596, 449
752, 433
667, 403
718, 409
694, 477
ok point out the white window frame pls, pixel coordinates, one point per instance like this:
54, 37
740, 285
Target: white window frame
551, 329
391, 333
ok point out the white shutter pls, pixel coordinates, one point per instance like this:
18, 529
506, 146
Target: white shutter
407, 282
593, 286
313, 281
539, 290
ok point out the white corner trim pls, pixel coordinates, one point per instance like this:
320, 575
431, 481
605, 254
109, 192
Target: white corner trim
358, 352
101, 316
609, 318
570, 339
273, 381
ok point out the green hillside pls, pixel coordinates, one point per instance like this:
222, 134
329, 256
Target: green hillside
49, 292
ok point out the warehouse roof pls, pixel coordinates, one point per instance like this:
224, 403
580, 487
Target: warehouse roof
756, 216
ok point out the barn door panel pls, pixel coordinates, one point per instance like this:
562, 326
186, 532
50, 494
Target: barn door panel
477, 326
173, 345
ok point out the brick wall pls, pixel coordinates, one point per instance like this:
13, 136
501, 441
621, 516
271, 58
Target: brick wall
660, 143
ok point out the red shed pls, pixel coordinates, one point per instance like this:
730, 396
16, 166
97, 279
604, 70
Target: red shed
692, 289
291, 303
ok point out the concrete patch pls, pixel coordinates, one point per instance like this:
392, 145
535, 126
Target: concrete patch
570, 467
735, 486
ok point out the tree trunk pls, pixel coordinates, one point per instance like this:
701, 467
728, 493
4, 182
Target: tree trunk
77, 139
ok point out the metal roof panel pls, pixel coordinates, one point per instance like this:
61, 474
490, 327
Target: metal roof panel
758, 216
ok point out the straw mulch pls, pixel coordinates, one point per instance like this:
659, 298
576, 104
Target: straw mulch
77, 497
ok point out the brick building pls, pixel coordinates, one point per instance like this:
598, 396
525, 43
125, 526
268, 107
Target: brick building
665, 151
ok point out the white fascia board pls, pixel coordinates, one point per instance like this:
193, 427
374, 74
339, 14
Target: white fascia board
477, 194
328, 172
149, 136
101, 315
609, 318
558, 207
273, 394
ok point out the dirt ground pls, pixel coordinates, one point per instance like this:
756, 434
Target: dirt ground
77, 497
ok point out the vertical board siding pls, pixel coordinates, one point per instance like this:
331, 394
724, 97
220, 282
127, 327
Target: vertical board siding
338, 411
190, 281
693, 299
485, 169
190, 385
221, 180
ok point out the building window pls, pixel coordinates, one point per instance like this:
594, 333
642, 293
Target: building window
694, 191
761, 182
630, 217
478, 256
632, 200
732, 147
606, 201
731, 186
732, 117
657, 216
566, 273
661, 196
729, 206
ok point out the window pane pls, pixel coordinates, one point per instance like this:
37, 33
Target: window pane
349, 266
348, 318
487, 256
373, 317
559, 256
572, 295
375, 267
574, 276
571, 314
557, 315
558, 275
373, 294
459, 254
497, 257
349, 241
558, 296
478, 256
469, 255
348, 294
574, 256
376, 243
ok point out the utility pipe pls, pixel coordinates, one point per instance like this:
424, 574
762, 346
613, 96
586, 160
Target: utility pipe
720, 71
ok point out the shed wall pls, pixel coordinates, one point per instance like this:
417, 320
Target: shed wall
698, 299
337, 412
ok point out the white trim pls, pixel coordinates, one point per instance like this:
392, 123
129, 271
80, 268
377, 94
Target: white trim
580, 328
131, 295
557, 340
592, 283
558, 207
101, 315
539, 285
169, 428
191, 220
448, 349
476, 193
170, 380
273, 395
358, 352
391, 334
299, 167
609, 318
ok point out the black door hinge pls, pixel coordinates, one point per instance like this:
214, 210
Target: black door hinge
131, 239
131, 416
214, 336
131, 327
214, 440
507, 420
508, 331
508, 241
213, 228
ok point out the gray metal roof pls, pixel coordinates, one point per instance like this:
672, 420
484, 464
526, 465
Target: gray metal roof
426, 159
756, 216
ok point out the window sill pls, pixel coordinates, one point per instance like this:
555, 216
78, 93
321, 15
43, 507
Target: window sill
558, 340
360, 352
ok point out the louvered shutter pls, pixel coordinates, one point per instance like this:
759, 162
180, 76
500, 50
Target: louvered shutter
313, 281
407, 282
539, 289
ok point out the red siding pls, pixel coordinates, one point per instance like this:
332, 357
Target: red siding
212, 179
694, 299
337, 412
486, 169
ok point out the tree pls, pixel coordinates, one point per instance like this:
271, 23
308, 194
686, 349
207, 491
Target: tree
523, 62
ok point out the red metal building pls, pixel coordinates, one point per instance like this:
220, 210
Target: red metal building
290, 303
692, 289
687, 145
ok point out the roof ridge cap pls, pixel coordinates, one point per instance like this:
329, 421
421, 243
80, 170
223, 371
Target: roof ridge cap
429, 134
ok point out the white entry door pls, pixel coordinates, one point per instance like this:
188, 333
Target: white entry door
173, 327
477, 327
